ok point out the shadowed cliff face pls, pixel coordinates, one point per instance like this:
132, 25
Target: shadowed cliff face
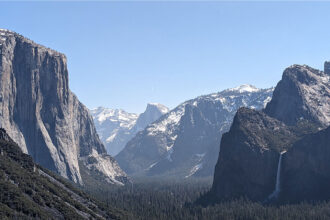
249, 155
292, 121
306, 170
28, 191
40, 112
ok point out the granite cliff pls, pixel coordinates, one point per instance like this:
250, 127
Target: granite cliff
280, 153
44, 117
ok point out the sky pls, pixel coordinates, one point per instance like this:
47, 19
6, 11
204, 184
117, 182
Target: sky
127, 54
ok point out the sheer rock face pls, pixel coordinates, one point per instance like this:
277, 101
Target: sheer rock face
306, 170
153, 112
39, 111
293, 121
248, 156
303, 92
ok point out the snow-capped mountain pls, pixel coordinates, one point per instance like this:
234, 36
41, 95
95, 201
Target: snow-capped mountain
116, 127
185, 141
113, 126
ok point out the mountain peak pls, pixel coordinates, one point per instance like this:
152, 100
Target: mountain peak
162, 108
244, 88
116, 127
153, 112
297, 70
303, 92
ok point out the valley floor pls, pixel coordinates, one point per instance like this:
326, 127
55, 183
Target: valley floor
159, 199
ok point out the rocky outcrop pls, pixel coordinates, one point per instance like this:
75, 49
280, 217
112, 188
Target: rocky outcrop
153, 112
116, 127
248, 156
327, 67
184, 143
42, 115
292, 122
303, 93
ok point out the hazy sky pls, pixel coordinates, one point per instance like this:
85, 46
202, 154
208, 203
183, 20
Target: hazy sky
124, 55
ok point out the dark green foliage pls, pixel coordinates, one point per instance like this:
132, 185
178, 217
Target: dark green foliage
28, 191
160, 199
152, 198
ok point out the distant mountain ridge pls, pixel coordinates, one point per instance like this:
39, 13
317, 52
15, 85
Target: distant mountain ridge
185, 141
116, 127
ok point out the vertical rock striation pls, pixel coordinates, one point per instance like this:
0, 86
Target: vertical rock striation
42, 115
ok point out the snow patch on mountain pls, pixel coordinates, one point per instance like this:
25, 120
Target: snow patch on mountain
194, 170
266, 101
169, 153
244, 88
200, 155
116, 127
162, 108
168, 124
125, 119
197, 125
151, 166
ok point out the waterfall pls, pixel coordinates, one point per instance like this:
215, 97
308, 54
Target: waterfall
278, 178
